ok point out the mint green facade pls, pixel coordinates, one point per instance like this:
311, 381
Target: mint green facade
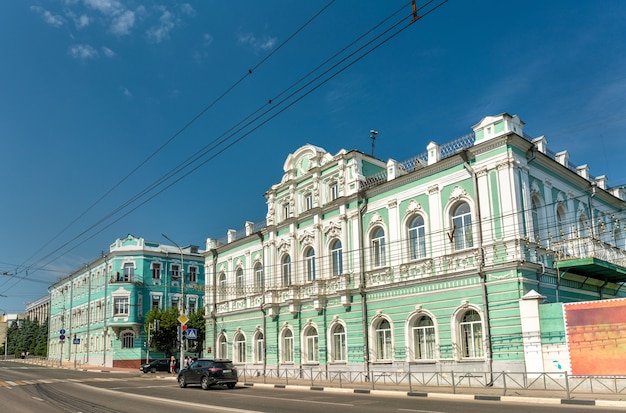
101, 307
370, 266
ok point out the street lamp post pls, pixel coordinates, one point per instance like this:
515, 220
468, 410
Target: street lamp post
182, 297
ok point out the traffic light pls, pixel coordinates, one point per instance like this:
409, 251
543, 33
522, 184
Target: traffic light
184, 332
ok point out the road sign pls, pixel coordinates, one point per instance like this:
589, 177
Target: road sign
192, 334
62, 336
62, 331
183, 319
76, 341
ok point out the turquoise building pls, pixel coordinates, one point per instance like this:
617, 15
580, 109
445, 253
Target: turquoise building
421, 265
97, 313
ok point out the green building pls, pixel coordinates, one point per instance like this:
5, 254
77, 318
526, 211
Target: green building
97, 313
422, 265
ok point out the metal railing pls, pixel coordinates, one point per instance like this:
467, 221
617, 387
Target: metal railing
553, 384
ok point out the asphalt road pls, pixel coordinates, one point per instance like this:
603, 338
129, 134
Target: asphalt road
38, 389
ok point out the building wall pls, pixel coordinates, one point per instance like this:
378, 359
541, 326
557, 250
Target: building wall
103, 305
526, 210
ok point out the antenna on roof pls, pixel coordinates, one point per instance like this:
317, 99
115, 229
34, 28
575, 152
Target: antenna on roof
373, 134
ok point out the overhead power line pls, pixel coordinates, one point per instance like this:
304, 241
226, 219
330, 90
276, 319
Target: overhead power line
267, 112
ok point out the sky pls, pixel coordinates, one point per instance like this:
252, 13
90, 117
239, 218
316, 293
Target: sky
141, 117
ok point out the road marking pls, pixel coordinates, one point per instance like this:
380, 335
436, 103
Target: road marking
299, 401
37, 398
419, 411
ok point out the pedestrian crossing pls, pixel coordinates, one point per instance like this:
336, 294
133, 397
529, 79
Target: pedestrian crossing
8, 384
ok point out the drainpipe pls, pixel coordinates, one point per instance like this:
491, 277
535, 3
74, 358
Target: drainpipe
263, 312
214, 310
362, 291
594, 186
481, 272
88, 338
106, 314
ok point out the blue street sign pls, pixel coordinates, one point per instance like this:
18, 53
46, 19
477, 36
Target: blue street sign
192, 334
76, 341
62, 331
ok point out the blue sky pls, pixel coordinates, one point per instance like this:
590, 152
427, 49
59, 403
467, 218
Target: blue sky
100, 99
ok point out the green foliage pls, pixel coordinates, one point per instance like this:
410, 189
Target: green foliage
166, 338
197, 321
29, 337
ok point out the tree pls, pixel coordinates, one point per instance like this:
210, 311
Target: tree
41, 341
197, 321
165, 339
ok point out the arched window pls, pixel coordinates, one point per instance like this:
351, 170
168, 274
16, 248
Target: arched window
584, 229
424, 338
338, 351
221, 286
259, 277
259, 347
309, 259
417, 238
287, 346
462, 226
378, 247
311, 345
471, 331
337, 258
286, 270
128, 339
222, 346
239, 342
239, 281
383, 340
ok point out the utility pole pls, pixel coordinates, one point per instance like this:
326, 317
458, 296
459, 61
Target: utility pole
182, 298
373, 134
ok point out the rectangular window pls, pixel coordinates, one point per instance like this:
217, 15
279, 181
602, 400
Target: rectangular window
129, 272
308, 201
191, 305
121, 306
286, 211
155, 302
156, 271
193, 274
339, 345
258, 348
175, 271
334, 191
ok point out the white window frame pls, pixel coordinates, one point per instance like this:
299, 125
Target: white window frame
336, 254
239, 347
287, 347
338, 345
311, 345
462, 226
417, 237
259, 347
378, 247
309, 259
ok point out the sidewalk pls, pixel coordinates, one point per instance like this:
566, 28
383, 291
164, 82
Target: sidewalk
607, 400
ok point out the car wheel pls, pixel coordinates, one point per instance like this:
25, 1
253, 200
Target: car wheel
231, 385
153, 370
205, 383
182, 382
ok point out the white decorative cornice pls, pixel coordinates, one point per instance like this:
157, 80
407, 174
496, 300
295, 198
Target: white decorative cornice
457, 193
375, 220
307, 238
414, 207
283, 246
333, 230
433, 190
393, 203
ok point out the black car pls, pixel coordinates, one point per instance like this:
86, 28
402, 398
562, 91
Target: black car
208, 372
158, 365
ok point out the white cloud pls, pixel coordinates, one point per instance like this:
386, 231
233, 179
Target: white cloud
123, 23
106, 7
187, 9
162, 30
82, 21
107, 52
127, 92
258, 44
83, 51
53, 20
207, 39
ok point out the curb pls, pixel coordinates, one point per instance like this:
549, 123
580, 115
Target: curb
477, 397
